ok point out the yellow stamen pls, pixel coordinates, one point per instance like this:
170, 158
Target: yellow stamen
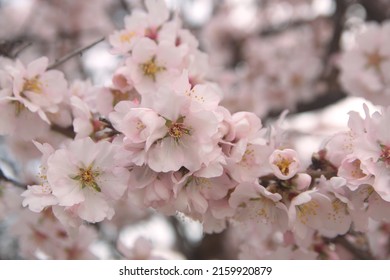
126, 37
150, 68
87, 177
306, 210
33, 85
283, 164
177, 130
375, 59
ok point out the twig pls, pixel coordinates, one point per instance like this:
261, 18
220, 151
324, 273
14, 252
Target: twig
19, 51
357, 252
9, 180
6, 47
125, 6
66, 131
376, 10
338, 28
109, 125
73, 53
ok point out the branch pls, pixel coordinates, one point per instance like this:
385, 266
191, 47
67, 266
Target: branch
66, 131
73, 53
212, 247
9, 180
19, 51
376, 10
7, 47
357, 252
125, 6
339, 20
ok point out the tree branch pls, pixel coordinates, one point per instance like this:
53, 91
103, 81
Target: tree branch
376, 10
66, 131
357, 252
9, 180
182, 243
73, 53
21, 49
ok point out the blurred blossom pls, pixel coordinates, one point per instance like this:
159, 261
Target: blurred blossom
246, 129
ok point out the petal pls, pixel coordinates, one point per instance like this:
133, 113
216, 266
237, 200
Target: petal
144, 50
95, 208
37, 67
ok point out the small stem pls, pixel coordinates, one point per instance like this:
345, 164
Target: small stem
19, 51
109, 125
73, 53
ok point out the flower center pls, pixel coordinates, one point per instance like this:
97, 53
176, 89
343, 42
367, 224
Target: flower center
296, 81
283, 164
126, 37
87, 178
375, 59
177, 130
33, 85
305, 210
119, 96
385, 155
150, 68
356, 171
248, 158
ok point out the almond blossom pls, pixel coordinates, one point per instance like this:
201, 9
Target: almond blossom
153, 65
83, 178
284, 163
364, 68
138, 25
36, 89
253, 201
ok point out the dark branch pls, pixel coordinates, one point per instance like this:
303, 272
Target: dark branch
73, 53
7, 47
125, 6
66, 131
182, 243
21, 49
357, 252
376, 10
9, 180
338, 28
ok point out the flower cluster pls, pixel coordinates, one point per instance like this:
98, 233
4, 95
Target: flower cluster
365, 67
161, 137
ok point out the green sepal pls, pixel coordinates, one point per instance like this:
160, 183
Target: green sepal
96, 187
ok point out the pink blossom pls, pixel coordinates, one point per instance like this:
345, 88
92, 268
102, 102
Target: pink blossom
43, 233
253, 201
284, 163
83, 120
153, 65
139, 25
15, 118
193, 194
190, 136
364, 68
355, 172
39, 197
85, 175
121, 79
38, 90
308, 212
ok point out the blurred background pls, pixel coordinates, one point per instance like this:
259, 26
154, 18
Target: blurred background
267, 56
